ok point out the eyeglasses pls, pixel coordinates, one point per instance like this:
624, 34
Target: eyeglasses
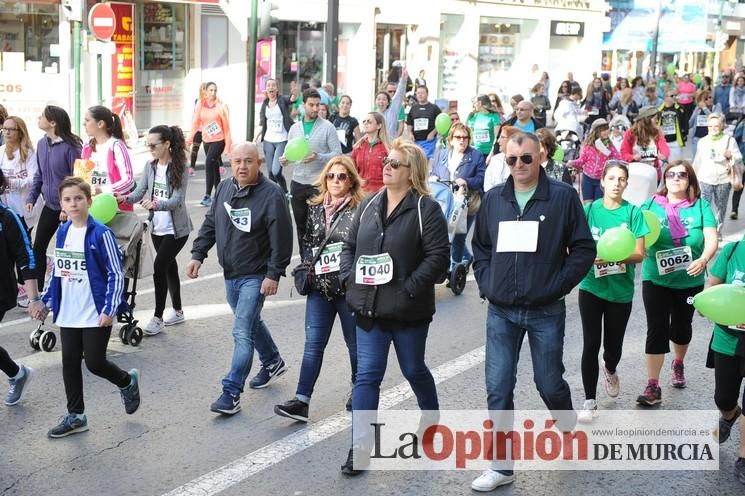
678, 174
395, 164
341, 176
153, 145
10, 129
460, 137
523, 109
527, 159
368, 121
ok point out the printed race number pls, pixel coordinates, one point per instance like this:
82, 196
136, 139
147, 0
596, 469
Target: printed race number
609, 269
374, 270
69, 264
673, 260
329, 259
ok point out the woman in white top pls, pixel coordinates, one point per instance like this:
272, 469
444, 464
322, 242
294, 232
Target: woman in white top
275, 121
497, 171
715, 155
18, 162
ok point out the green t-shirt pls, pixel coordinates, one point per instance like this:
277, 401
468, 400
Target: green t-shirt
730, 267
298, 105
308, 127
482, 130
610, 286
694, 218
523, 197
401, 114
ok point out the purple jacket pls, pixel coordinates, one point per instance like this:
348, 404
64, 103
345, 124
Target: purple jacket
56, 162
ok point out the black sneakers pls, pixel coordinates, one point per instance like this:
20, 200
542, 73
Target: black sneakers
725, 426
266, 374
294, 409
226, 404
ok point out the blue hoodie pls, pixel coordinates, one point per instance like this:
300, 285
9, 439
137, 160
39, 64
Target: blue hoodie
103, 260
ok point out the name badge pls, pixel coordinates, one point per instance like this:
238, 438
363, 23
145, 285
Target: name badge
274, 125
481, 136
69, 264
212, 129
374, 270
240, 217
673, 260
160, 191
518, 236
329, 259
609, 269
421, 124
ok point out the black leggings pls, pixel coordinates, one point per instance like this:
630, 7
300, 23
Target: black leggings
212, 164
165, 272
606, 321
45, 229
196, 143
728, 375
736, 195
301, 193
7, 365
669, 316
90, 342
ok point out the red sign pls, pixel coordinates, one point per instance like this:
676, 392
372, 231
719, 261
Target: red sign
102, 21
122, 62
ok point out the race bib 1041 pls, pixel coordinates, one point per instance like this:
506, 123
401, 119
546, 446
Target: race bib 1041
328, 260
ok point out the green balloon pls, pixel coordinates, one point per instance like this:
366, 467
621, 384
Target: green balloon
671, 68
616, 244
654, 228
443, 123
297, 149
723, 303
559, 154
104, 207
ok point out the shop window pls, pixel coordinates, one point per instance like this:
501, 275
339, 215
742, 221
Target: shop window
29, 37
162, 41
300, 45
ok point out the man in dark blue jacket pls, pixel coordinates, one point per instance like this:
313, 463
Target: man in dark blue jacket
531, 246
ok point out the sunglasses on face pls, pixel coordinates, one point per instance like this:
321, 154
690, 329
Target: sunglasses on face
152, 146
341, 176
460, 137
368, 121
395, 164
527, 159
678, 174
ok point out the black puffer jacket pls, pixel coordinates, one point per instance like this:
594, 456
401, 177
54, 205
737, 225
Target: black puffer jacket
329, 285
420, 254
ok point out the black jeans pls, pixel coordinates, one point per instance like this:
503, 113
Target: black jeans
165, 271
736, 195
212, 165
7, 365
90, 342
301, 193
669, 316
45, 229
605, 321
195, 144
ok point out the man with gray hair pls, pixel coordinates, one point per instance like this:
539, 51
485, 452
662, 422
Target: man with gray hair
531, 246
250, 223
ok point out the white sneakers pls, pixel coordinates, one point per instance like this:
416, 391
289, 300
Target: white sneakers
589, 411
173, 317
612, 383
153, 327
490, 480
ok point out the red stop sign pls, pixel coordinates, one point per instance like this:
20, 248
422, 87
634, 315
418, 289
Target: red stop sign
102, 21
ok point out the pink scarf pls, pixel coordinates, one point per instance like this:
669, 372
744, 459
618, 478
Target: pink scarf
331, 207
672, 210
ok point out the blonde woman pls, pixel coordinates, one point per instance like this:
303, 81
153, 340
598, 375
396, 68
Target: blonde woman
368, 153
397, 249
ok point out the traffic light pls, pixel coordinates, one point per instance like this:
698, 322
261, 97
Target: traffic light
267, 18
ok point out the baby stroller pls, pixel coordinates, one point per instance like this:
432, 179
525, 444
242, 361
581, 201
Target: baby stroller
442, 190
129, 231
570, 143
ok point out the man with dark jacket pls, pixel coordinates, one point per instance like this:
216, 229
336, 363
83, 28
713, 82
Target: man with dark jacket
531, 246
250, 223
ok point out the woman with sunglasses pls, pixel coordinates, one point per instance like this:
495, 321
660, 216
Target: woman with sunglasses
58, 151
112, 172
698, 123
464, 166
673, 271
369, 152
396, 251
715, 155
606, 292
162, 191
329, 226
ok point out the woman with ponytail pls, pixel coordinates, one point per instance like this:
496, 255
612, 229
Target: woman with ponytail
112, 172
162, 191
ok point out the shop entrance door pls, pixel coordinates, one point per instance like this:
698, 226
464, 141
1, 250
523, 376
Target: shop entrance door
390, 47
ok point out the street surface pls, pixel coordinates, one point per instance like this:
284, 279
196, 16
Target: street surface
175, 445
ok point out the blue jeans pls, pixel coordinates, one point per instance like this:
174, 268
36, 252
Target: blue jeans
319, 320
372, 359
591, 189
249, 331
458, 250
505, 329
272, 152
428, 146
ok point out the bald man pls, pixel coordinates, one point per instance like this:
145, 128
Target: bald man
250, 223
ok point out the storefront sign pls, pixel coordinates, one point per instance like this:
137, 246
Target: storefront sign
566, 28
21, 93
122, 64
556, 4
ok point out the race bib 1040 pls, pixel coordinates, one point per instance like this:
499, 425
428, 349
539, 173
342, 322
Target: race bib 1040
374, 270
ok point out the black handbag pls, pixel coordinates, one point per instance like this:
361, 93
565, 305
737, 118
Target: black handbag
303, 272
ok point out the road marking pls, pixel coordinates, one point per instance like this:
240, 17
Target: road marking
241, 469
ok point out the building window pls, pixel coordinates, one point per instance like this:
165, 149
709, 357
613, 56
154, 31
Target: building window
214, 41
162, 41
29, 37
